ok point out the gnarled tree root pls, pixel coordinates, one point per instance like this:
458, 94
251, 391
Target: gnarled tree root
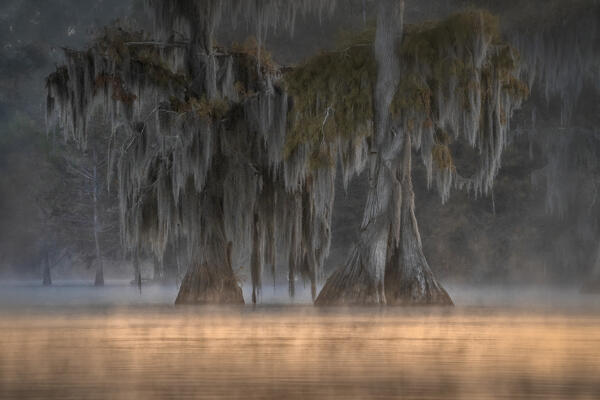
204, 285
422, 289
350, 285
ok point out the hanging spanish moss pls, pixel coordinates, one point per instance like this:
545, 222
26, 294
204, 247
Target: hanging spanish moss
454, 80
198, 136
222, 151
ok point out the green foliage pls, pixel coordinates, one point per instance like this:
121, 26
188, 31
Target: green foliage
214, 109
333, 91
441, 153
251, 50
144, 59
136, 51
333, 94
433, 53
321, 157
118, 90
113, 43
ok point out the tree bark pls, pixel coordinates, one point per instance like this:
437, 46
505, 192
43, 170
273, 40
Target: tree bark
210, 284
99, 279
137, 270
46, 277
353, 284
210, 279
360, 281
408, 278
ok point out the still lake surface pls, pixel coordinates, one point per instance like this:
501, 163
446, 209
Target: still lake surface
75, 342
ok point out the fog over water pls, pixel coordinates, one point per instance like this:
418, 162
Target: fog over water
73, 342
77, 295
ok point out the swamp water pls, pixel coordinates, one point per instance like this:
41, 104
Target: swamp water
82, 343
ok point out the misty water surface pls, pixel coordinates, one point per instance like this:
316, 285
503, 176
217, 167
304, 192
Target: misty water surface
78, 342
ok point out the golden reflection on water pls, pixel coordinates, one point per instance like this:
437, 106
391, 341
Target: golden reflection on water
298, 353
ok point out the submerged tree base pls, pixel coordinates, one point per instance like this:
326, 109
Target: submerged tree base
204, 285
46, 279
340, 291
99, 280
352, 285
421, 290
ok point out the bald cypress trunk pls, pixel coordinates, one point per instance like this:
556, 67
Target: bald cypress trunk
137, 270
360, 281
210, 284
46, 277
408, 278
99, 278
210, 278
